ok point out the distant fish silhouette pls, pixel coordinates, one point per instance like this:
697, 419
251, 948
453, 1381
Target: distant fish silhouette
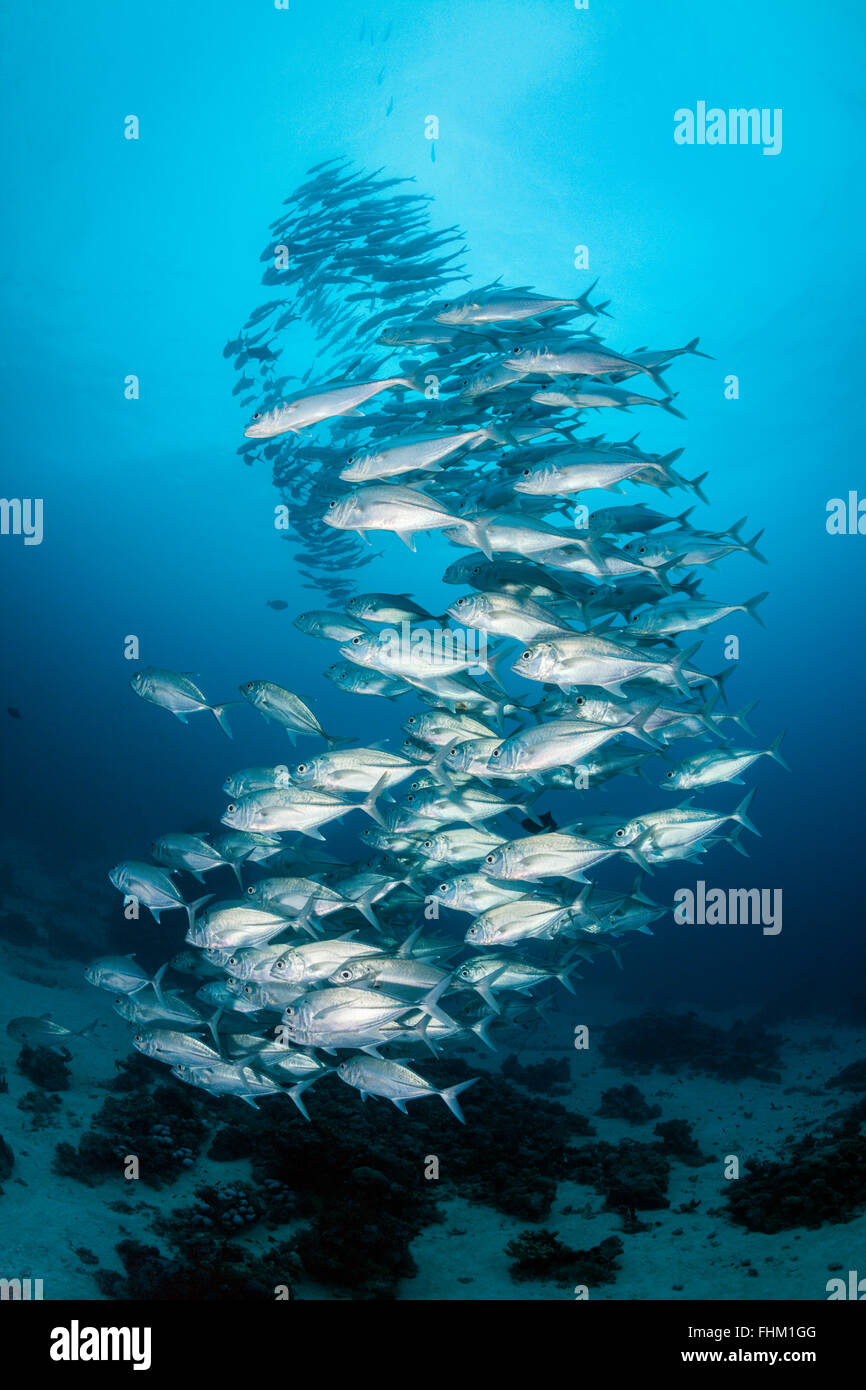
13, 712
276, 603
544, 822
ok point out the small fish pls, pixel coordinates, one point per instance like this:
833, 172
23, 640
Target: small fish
278, 603
175, 691
44, 1032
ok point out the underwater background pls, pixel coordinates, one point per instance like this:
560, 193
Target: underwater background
141, 257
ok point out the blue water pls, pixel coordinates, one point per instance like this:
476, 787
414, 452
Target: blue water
556, 126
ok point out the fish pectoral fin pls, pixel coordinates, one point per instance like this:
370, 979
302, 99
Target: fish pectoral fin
408, 539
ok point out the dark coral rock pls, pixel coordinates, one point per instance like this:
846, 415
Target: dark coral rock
631, 1175
678, 1140
43, 1107
811, 1188
45, 1067
135, 1072
627, 1103
683, 1042
219, 1271
850, 1078
550, 1077
822, 1179
542, 1255
357, 1246
7, 1159
164, 1129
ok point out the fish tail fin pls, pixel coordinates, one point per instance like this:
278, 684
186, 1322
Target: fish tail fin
773, 751
295, 1092
430, 1003
655, 376
482, 1030
364, 904
370, 804
438, 768
221, 717
668, 405
493, 664
564, 977
477, 533
412, 378
88, 1030
740, 814
635, 852
741, 717
636, 726
677, 668
752, 548
695, 485
751, 604
734, 841
450, 1094
157, 982
193, 907
692, 347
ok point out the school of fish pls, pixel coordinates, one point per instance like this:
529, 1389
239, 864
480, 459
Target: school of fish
569, 657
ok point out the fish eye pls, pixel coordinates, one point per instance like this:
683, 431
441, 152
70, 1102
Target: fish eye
669, 774
581, 700
248, 989
302, 767
428, 844
279, 964
527, 472
490, 859
345, 974
231, 808
496, 752
258, 415
642, 550
517, 351
410, 799
288, 1011
331, 506
443, 887
461, 601
619, 834
526, 656
413, 719
356, 641
251, 892
447, 306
